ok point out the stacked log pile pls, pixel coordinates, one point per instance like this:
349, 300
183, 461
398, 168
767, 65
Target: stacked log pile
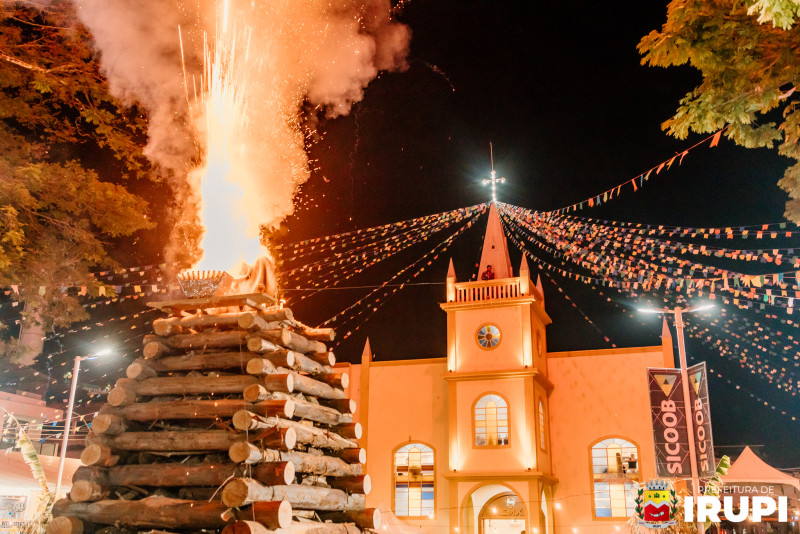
233, 421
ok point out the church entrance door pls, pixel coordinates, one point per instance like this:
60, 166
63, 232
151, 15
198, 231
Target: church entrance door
502, 514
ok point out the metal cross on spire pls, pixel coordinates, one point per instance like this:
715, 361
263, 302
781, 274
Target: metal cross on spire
494, 180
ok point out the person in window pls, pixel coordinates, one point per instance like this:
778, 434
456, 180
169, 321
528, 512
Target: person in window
632, 463
488, 274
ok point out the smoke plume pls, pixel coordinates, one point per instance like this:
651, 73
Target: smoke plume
268, 58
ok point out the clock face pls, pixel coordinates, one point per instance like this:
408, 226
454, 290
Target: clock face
488, 336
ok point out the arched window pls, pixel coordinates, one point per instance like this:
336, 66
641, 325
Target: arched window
413, 481
491, 421
615, 474
542, 438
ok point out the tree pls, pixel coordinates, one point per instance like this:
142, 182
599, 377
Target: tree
58, 126
749, 56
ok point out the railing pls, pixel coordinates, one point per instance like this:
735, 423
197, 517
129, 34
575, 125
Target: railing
503, 288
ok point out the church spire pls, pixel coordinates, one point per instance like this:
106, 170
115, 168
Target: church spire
495, 248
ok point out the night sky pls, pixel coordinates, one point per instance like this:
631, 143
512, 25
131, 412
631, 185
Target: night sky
558, 88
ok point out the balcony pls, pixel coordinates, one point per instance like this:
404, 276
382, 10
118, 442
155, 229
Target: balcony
502, 288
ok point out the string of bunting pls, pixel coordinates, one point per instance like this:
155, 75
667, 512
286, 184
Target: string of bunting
326, 240
364, 257
645, 274
712, 371
637, 182
371, 302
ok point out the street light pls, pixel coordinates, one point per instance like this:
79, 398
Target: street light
68, 421
678, 312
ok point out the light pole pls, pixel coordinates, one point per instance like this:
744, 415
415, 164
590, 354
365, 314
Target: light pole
68, 420
678, 312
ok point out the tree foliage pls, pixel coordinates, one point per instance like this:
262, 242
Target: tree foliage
749, 56
60, 130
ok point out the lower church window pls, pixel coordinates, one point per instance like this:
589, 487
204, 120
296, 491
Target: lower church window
615, 477
491, 421
413, 481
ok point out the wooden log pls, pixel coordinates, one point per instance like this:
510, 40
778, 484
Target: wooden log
283, 357
282, 382
126, 391
150, 512
245, 420
242, 491
317, 437
89, 490
167, 327
290, 340
345, 406
247, 453
271, 514
200, 362
315, 527
260, 366
155, 349
140, 370
178, 475
358, 484
176, 325
318, 334
261, 346
367, 518
269, 316
199, 409
348, 430
252, 322
121, 396
109, 424
308, 365
352, 456
246, 527
256, 393
202, 341
337, 379
313, 464
66, 525
195, 440
99, 455
314, 412
324, 358
316, 388
306, 463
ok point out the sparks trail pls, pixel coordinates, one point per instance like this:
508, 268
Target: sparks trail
440, 72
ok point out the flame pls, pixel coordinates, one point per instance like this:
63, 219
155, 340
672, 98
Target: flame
221, 109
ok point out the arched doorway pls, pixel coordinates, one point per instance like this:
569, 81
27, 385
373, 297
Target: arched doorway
502, 514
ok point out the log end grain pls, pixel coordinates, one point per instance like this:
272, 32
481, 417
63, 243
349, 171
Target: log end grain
140, 371
87, 491
109, 424
120, 396
99, 455
255, 393
243, 452
241, 491
154, 349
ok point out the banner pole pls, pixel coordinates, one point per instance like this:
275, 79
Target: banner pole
678, 312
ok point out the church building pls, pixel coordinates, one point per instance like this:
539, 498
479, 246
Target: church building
500, 436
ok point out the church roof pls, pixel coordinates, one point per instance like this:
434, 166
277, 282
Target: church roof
750, 468
495, 248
